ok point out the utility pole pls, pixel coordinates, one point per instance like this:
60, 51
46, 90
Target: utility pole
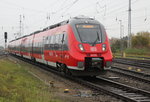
120, 28
121, 47
129, 25
20, 27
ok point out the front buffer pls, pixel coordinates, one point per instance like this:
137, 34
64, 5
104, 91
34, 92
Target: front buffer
93, 66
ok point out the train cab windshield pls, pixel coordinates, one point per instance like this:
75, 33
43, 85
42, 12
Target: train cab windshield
89, 33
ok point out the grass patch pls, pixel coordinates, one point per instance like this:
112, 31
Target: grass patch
138, 51
134, 53
17, 85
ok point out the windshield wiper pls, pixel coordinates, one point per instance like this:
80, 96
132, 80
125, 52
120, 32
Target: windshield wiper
96, 40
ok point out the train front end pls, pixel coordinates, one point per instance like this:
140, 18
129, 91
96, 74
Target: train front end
89, 47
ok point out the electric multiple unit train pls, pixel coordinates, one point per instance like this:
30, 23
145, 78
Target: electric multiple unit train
78, 46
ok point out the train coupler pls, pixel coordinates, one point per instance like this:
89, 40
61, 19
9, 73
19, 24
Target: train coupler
92, 63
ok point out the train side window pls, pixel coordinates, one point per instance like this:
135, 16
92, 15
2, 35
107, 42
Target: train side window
60, 37
63, 38
49, 40
52, 38
36, 44
65, 35
65, 41
57, 39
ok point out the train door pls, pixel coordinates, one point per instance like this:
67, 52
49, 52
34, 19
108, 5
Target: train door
42, 49
62, 47
32, 47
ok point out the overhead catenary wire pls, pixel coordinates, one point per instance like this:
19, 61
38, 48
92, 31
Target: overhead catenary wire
67, 10
21, 7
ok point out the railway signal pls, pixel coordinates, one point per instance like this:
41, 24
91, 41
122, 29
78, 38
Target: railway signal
5, 37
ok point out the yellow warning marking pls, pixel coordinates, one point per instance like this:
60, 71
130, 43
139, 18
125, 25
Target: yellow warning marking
51, 83
139, 70
66, 90
130, 68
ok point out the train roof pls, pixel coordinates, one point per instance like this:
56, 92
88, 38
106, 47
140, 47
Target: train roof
71, 20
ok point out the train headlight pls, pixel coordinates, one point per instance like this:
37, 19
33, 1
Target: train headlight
104, 47
81, 47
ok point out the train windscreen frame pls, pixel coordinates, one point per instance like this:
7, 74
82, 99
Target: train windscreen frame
89, 33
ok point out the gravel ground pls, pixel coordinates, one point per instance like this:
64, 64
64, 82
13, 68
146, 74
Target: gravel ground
127, 80
77, 92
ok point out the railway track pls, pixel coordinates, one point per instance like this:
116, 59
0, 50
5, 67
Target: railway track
120, 91
134, 62
129, 73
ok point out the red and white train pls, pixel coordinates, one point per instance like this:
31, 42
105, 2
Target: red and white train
78, 46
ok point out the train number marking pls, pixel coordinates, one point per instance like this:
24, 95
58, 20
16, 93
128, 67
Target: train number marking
93, 49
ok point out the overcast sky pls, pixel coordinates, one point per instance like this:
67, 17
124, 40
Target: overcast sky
37, 14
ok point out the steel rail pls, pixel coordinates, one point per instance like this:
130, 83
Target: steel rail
131, 93
138, 63
133, 57
129, 73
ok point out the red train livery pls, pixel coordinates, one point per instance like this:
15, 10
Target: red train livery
78, 46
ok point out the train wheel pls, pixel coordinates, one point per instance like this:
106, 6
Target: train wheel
93, 76
58, 65
66, 70
33, 59
103, 72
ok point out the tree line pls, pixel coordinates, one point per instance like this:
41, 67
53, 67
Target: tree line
139, 40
